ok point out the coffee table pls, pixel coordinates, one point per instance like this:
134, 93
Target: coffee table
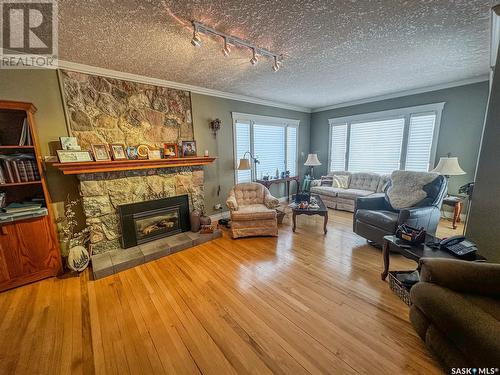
321, 211
415, 252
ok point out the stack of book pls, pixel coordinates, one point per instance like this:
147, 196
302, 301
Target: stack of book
18, 168
22, 210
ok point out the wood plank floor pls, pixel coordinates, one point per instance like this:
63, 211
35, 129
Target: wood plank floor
301, 303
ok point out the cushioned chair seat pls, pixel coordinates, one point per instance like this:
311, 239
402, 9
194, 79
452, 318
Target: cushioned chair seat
386, 220
353, 193
327, 190
253, 212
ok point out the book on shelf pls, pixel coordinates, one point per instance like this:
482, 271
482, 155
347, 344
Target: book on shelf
18, 168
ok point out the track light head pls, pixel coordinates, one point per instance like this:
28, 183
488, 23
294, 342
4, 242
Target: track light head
254, 60
227, 49
196, 41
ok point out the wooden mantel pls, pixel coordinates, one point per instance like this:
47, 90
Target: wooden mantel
130, 165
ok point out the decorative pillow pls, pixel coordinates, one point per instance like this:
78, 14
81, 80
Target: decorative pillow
326, 180
340, 181
407, 188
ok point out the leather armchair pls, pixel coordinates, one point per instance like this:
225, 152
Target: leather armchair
252, 211
374, 217
464, 331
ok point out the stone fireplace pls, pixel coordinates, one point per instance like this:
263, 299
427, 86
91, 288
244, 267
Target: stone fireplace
104, 194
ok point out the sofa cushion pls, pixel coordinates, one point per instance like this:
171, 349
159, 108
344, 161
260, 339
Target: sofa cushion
364, 181
353, 193
386, 220
253, 212
326, 181
340, 181
383, 183
326, 190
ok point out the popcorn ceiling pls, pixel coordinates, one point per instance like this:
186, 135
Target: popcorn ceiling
336, 51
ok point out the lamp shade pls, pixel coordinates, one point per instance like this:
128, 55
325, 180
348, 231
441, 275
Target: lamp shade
312, 160
244, 165
448, 166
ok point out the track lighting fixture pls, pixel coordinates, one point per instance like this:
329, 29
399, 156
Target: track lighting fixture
227, 49
229, 40
254, 60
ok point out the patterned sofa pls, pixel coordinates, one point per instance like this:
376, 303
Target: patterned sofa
358, 185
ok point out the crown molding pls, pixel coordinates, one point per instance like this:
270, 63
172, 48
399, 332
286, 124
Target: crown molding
88, 69
421, 90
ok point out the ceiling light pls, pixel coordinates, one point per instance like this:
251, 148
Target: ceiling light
196, 41
277, 64
227, 49
254, 60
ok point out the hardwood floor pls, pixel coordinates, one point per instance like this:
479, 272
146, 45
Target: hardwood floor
300, 303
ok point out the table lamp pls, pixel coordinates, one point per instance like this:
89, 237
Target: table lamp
312, 161
448, 166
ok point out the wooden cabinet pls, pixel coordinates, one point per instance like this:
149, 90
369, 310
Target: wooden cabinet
29, 250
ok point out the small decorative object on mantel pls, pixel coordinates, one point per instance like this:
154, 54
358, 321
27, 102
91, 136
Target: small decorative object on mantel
101, 152
188, 148
74, 156
154, 155
78, 256
215, 126
69, 143
132, 153
143, 152
171, 150
118, 151
206, 154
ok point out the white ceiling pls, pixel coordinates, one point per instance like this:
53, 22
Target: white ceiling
336, 51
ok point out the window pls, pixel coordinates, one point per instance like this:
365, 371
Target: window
273, 141
382, 142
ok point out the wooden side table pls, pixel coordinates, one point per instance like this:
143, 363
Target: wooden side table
457, 204
286, 180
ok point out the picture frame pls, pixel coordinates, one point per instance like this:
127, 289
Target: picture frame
142, 152
118, 151
154, 154
171, 150
188, 149
132, 153
101, 152
74, 156
69, 143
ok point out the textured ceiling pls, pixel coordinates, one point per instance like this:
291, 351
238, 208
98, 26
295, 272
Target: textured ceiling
336, 51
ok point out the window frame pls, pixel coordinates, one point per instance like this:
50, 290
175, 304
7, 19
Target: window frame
267, 121
406, 113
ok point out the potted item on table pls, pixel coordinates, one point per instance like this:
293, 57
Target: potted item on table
118, 151
170, 150
142, 152
188, 149
101, 152
78, 257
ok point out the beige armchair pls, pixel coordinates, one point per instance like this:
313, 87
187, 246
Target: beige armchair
252, 211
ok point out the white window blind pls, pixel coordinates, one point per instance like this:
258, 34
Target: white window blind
242, 145
273, 141
269, 148
420, 138
338, 147
375, 146
291, 150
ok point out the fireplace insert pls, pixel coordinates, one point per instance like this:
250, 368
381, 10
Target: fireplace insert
148, 221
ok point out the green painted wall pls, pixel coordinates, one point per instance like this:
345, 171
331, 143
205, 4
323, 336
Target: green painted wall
460, 132
41, 87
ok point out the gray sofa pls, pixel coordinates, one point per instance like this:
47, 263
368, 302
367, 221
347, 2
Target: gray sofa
359, 185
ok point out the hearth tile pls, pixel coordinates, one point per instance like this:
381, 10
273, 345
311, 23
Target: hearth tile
217, 234
127, 258
155, 249
179, 242
102, 266
199, 238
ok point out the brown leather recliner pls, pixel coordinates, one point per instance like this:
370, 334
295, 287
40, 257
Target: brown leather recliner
456, 311
252, 211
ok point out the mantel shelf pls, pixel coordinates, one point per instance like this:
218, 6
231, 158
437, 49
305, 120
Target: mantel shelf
130, 165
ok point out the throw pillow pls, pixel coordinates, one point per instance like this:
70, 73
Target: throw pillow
340, 181
326, 181
407, 188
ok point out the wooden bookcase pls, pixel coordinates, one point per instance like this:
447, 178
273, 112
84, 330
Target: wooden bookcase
29, 249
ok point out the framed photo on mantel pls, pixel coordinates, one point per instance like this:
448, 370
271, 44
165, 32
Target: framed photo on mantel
74, 156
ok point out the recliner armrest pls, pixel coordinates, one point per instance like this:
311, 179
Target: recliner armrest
371, 202
270, 201
406, 214
462, 276
231, 203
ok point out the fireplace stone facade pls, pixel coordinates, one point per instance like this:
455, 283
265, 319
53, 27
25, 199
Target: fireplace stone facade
102, 193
